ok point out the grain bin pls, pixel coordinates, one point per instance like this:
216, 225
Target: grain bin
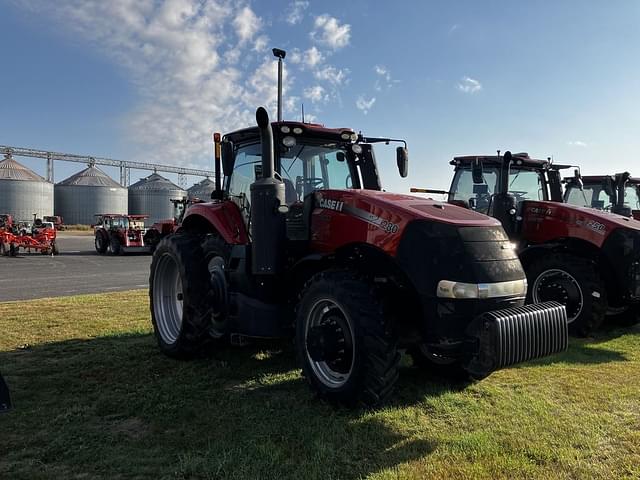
202, 190
23, 192
87, 193
152, 196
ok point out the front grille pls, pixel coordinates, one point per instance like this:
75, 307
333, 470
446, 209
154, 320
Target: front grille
515, 335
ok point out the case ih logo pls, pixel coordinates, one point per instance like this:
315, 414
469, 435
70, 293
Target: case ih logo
331, 204
545, 212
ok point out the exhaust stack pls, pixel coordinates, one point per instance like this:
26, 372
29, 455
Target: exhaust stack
267, 197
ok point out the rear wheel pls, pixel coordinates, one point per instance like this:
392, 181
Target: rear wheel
101, 242
114, 245
344, 341
180, 296
574, 282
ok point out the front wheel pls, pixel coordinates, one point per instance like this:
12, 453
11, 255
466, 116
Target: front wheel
575, 283
344, 341
180, 296
114, 245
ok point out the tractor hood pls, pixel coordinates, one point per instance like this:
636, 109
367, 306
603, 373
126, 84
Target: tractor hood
570, 221
411, 207
376, 218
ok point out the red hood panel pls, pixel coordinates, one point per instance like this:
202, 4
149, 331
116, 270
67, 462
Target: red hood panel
546, 221
419, 207
343, 217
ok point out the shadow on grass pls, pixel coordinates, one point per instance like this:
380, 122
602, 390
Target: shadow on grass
115, 406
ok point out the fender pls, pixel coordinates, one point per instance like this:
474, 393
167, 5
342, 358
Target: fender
223, 218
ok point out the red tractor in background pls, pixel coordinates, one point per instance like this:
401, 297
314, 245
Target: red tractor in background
118, 234
588, 260
619, 193
57, 221
161, 229
300, 241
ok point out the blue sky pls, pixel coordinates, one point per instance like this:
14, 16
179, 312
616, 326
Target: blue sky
150, 80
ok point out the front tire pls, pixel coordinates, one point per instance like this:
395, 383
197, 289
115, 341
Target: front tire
574, 282
179, 296
345, 343
114, 245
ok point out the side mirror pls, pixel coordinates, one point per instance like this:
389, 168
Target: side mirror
402, 158
477, 172
227, 158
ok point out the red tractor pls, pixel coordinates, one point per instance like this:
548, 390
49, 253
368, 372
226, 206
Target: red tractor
161, 229
57, 221
619, 193
588, 260
118, 234
300, 241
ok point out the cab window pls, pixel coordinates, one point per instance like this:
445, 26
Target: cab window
631, 197
527, 185
476, 196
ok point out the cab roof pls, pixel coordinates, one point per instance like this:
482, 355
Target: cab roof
308, 129
520, 159
600, 178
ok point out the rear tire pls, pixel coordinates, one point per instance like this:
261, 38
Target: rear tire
179, 296
114, 245
101, 243
345, 343
573, 281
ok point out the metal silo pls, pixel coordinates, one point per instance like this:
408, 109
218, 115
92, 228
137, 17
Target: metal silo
23, 192
202, 190
152, 196
81, 196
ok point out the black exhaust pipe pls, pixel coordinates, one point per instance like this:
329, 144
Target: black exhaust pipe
267, 197
621, 180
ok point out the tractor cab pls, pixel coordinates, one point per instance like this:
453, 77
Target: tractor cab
307, 159
497, 185
619, 193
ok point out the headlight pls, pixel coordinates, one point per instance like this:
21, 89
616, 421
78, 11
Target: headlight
459, 290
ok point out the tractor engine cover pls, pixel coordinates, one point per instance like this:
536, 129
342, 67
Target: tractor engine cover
516, 335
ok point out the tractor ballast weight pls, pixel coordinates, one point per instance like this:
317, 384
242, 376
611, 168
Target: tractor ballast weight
267, 200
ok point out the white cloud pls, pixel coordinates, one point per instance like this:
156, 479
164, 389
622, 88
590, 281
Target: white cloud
384, 77
469, 85
453, 28
247, 24
577, 143
313, 57
261, 43
296, 11
328, 31
333, 75
316, 94
192, 75
365, 105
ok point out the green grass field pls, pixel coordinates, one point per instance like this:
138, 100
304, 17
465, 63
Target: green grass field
94, 398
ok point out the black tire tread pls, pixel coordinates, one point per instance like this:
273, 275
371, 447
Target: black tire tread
374, 383
586, 272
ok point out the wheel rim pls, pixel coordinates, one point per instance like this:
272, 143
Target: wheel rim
334, 372
560, 286
167, 298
